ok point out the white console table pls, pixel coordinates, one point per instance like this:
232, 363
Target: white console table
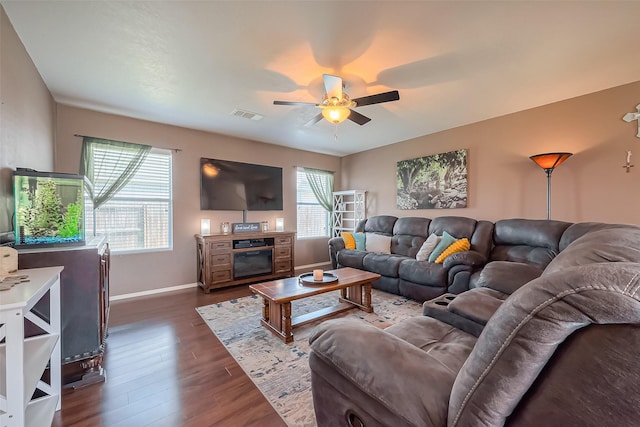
26, 397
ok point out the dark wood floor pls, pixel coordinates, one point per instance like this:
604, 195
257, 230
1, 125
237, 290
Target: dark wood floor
165, 367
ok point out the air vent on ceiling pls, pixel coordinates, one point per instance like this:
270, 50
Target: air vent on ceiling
246, 114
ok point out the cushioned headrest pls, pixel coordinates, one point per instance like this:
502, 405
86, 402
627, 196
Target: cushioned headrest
412, 226
382, 224
612, 245
575, 231
529, 232
525, 332
457, 226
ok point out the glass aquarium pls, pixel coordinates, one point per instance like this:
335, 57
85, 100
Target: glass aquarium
49, 209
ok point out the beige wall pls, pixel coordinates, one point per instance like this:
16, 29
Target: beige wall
27, 117
146, 271
504, 183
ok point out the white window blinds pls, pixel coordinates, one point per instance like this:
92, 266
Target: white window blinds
313, 219
138, 217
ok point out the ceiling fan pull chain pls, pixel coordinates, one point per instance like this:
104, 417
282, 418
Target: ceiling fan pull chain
335, 133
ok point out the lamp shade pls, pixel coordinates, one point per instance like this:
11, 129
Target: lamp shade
550, 161
336, 114
205, 226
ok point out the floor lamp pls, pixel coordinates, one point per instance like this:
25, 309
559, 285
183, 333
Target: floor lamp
548, 162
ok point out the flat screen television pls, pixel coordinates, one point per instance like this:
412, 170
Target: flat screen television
235, 186
49, 209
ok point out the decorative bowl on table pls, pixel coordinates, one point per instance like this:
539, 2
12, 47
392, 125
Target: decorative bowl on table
327, 278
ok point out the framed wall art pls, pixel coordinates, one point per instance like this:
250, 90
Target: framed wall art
438, 181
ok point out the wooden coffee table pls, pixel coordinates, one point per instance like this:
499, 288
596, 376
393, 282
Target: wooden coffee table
277, 295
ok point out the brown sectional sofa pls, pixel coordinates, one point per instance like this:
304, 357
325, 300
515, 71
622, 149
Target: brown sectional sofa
547, 335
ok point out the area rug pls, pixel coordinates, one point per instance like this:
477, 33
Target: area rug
279, 370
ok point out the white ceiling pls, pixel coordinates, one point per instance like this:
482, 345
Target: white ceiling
190, 63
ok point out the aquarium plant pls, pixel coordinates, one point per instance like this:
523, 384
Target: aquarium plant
48, 211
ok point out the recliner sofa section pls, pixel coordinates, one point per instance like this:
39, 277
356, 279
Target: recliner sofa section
557, 350
577, 244
400, 272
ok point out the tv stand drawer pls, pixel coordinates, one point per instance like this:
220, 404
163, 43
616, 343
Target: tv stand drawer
220, 246
220, 261
282, 252
283, 241
282, 266
220, 276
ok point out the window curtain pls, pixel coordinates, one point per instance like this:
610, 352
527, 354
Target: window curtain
321, 183
119, 164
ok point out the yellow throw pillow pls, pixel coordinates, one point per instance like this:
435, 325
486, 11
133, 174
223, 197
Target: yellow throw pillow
457, 246
349, 241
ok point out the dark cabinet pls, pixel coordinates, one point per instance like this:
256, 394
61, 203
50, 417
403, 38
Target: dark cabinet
84, 305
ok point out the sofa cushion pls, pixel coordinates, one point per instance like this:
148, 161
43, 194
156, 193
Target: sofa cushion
347, 374
412, 226
521, 340
383, 264
529, 232
382, 224
534, 242
427, 247
407, 245
478, 304
361, 242
507, 276
606, 245
448, 345
349, 241
457, 246
408, 235
455, 225
378, 243
445, 241
438, 308
423, 272
575, 231
351, 258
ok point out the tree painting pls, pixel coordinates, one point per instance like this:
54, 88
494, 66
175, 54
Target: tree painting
438, 181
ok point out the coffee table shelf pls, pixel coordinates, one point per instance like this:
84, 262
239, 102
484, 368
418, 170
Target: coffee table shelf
277, 296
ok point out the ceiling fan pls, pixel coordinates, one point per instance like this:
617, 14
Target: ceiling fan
337, 106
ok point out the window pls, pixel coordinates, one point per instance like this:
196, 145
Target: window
139, 216
313, 218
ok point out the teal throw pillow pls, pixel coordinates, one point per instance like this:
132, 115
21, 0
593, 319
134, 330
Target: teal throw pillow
360, 241
445, 242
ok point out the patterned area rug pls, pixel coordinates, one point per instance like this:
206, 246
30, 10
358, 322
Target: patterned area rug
279, 370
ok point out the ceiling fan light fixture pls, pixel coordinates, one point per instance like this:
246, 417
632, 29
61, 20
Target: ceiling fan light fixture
336, 114
336, 105
337, 110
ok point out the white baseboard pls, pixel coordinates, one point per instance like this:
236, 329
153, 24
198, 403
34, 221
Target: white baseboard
194, 285
152, 292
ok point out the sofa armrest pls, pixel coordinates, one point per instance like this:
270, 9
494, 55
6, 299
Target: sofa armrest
335, 244
376, 375
470, 258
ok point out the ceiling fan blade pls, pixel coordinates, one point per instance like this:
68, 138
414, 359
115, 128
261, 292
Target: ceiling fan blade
358, 118
377, 99
314, 120
294, 103
333, 86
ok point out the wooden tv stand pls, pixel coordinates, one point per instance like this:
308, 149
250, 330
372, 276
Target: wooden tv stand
218, 257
